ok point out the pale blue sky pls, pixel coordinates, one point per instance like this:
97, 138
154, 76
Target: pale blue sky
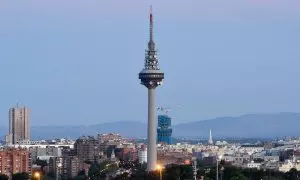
76, 62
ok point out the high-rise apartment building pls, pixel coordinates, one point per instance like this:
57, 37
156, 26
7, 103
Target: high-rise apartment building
86, 149
14, 161
64, 167
57, 168
164, 129
19, 129
108, 142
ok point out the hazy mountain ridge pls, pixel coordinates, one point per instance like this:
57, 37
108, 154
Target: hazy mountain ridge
248, 126
251, 125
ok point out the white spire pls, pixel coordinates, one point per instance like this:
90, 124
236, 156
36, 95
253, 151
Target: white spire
113, 156
210, 140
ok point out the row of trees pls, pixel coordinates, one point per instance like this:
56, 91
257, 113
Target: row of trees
173, 172
234, 173
17, 176
176, 172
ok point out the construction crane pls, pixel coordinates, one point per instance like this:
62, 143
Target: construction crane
163, 109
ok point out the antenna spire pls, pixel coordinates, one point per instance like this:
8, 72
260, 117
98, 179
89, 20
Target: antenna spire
151, 42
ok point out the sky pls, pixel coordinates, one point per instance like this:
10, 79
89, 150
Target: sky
77, 62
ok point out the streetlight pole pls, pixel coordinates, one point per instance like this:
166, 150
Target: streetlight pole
160, 175
159, 167
217, 174
222, 169
195, 168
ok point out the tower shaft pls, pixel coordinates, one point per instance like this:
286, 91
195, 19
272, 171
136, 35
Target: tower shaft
151, 151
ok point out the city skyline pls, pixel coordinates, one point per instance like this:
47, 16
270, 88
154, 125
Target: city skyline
63, 58
89, 71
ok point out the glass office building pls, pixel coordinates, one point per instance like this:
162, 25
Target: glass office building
164, 129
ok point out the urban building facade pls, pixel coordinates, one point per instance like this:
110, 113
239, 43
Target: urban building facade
142, 153
86, 149
66, 166
164, 129
19, 129
45, 153
56, 167
126, 154
109, 137
14, 161
72, 164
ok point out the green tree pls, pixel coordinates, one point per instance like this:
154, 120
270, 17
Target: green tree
98, 171
139, 173
41, 163
123, 176
293, 174
207, 178
238, 177
254, 174
3, 177
272, 178
80, 177
230, 172
94, 171
81, 173
173, 172
20, 176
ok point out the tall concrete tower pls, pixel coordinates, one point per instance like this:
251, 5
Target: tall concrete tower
210, 139
151, 77
19, 128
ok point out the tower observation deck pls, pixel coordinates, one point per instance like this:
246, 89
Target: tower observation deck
151, 77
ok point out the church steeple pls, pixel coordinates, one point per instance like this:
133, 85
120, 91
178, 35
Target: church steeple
210, 140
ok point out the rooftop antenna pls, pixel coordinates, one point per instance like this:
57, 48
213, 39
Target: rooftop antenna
151, 23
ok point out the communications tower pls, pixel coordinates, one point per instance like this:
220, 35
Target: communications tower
151, 77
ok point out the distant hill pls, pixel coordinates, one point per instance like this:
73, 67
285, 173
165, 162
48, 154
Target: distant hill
247, 126
125, 128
